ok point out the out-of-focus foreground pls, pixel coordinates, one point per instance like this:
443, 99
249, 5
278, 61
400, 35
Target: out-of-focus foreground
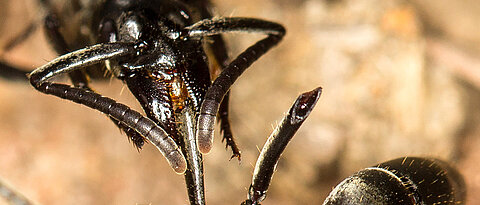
400, 78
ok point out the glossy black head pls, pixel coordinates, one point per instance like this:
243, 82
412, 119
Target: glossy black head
140, 20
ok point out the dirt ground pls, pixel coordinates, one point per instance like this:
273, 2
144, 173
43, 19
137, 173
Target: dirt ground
400, 78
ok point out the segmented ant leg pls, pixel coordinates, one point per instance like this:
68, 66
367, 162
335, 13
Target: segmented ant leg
17, 40
52, 32
215, 26
13, 73
224, 81
78, 77
93, 55
220, 54
135, 137
27, 32
8, 71
52, 26
276, 144
194, 174
216, 43
225, 129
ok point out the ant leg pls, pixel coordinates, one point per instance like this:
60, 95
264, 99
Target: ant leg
220, 54
12, 43
215, 26
52, 32
135, 137
7, 71
78, 77
225, 127
276, 144
224, 81
93, 55
10, 72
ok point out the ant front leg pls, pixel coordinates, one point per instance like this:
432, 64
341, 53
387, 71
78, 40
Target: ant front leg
224, 81
8, 71
78, 77
220, 54
94, 55
217, 47
52, 31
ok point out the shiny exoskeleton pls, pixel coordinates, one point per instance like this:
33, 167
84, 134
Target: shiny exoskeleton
156, 47
409, 180
276, 144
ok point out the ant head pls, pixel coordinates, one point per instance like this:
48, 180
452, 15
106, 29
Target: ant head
134, 21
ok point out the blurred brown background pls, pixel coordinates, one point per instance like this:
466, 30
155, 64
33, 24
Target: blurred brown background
400, 78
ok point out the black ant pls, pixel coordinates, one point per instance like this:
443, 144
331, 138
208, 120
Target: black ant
156, 48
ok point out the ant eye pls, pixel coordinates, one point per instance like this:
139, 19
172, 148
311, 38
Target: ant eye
107, 31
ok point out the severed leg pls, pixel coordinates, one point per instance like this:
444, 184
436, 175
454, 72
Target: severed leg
93, 55
224, 81
276, 144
